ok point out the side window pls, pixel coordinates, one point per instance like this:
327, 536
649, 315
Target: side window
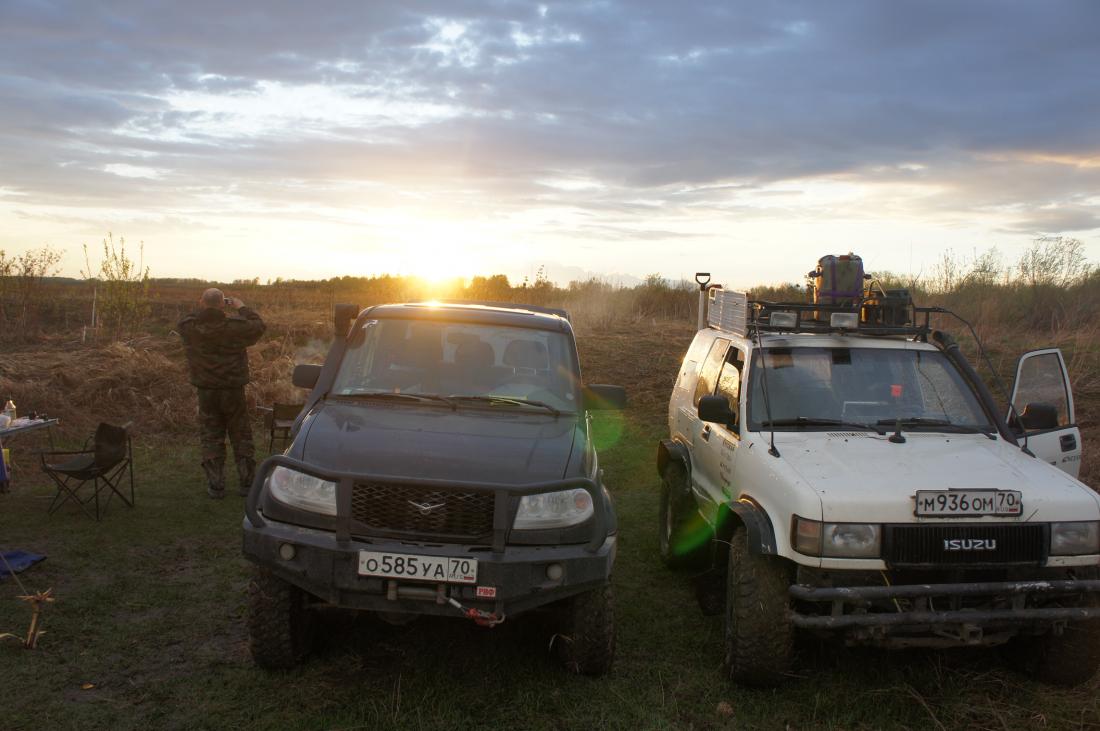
690, 366
708, 376
1040, 379
729, 380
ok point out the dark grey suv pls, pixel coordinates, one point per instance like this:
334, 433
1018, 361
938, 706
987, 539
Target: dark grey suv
442, 465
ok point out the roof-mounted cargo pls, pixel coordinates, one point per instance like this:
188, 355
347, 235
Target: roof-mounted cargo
889, 313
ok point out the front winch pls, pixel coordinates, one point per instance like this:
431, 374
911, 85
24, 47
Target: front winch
483, 619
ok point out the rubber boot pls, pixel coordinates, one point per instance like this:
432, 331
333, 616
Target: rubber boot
246, 472
215, 477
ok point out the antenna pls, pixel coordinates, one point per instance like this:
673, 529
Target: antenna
993, 371
764, 387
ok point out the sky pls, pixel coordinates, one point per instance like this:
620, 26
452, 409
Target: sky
594, 138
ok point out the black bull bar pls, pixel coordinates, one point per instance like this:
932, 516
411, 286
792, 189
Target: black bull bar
502, 494
1015, 592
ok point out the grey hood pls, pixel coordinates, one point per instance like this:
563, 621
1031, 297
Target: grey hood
497, 445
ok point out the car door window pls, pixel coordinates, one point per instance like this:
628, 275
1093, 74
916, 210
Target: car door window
1041, 380
729, 380
712, 366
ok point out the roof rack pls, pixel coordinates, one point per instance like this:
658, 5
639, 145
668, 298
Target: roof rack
734, 312
564, 314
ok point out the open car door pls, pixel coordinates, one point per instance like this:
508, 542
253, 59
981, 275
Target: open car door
1043, 404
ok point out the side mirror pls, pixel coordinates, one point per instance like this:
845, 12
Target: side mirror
306, 375
600, 396
1038, 416
716, 410
342, 317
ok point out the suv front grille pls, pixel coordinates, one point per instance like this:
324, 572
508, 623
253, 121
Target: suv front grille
965, 545
422, 511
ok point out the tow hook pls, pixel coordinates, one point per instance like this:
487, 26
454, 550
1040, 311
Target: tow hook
483, 619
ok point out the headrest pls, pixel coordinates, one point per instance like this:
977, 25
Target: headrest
526, 354
475, 354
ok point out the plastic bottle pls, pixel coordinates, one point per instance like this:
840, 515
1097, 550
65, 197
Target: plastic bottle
9, 409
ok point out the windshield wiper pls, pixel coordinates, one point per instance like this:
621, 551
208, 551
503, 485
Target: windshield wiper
813, 421
504, 400
394, 396
943, 425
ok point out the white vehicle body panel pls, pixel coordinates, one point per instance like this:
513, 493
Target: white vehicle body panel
859, 476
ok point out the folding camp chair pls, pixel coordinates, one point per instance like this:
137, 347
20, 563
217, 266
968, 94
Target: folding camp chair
104, 465
280, 421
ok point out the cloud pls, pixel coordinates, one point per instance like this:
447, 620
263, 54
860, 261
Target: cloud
1061, 220
632, 120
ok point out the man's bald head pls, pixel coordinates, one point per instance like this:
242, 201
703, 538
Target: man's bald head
212, 297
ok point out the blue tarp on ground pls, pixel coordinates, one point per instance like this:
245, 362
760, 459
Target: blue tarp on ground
19, 561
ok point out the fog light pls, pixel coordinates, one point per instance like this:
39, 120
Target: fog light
783, 319
286, 551
554, 572
844, 320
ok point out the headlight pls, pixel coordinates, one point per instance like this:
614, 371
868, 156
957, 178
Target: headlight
553, 510
302, 491
851, 540
836, 540
1074, 539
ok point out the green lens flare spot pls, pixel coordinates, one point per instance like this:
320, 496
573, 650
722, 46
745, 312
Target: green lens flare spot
693, 537
607, 429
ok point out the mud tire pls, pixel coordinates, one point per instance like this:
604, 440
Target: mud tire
585, 644
280, 627
759, 635
674, 516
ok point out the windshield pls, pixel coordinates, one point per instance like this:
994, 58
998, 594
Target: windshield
426, 357
862, 386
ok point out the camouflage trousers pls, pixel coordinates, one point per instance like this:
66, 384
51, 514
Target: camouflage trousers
223, 411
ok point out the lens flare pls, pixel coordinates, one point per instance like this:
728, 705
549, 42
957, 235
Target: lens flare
607, 429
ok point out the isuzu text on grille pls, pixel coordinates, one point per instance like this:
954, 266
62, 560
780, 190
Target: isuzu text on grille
970, 544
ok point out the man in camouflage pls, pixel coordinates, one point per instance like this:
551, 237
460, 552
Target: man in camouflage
216, 337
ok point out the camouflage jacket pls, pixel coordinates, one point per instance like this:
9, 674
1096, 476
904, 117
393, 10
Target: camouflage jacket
216, 345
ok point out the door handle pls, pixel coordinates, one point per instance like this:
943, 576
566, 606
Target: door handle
1068, 442
706, 433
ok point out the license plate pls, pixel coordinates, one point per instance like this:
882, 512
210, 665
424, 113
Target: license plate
969, 502
423, 568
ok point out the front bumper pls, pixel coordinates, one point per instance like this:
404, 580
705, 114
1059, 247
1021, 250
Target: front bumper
964, 613
512, 578
517, 575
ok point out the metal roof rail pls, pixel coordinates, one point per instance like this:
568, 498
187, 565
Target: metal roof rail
539, 309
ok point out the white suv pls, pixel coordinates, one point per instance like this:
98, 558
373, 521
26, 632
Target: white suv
839, 475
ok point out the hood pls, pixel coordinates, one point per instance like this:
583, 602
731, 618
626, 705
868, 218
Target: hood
431, 442
863, 477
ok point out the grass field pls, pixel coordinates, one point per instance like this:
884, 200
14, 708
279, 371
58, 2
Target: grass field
148, 629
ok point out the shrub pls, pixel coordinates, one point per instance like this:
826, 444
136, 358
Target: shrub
121, 286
